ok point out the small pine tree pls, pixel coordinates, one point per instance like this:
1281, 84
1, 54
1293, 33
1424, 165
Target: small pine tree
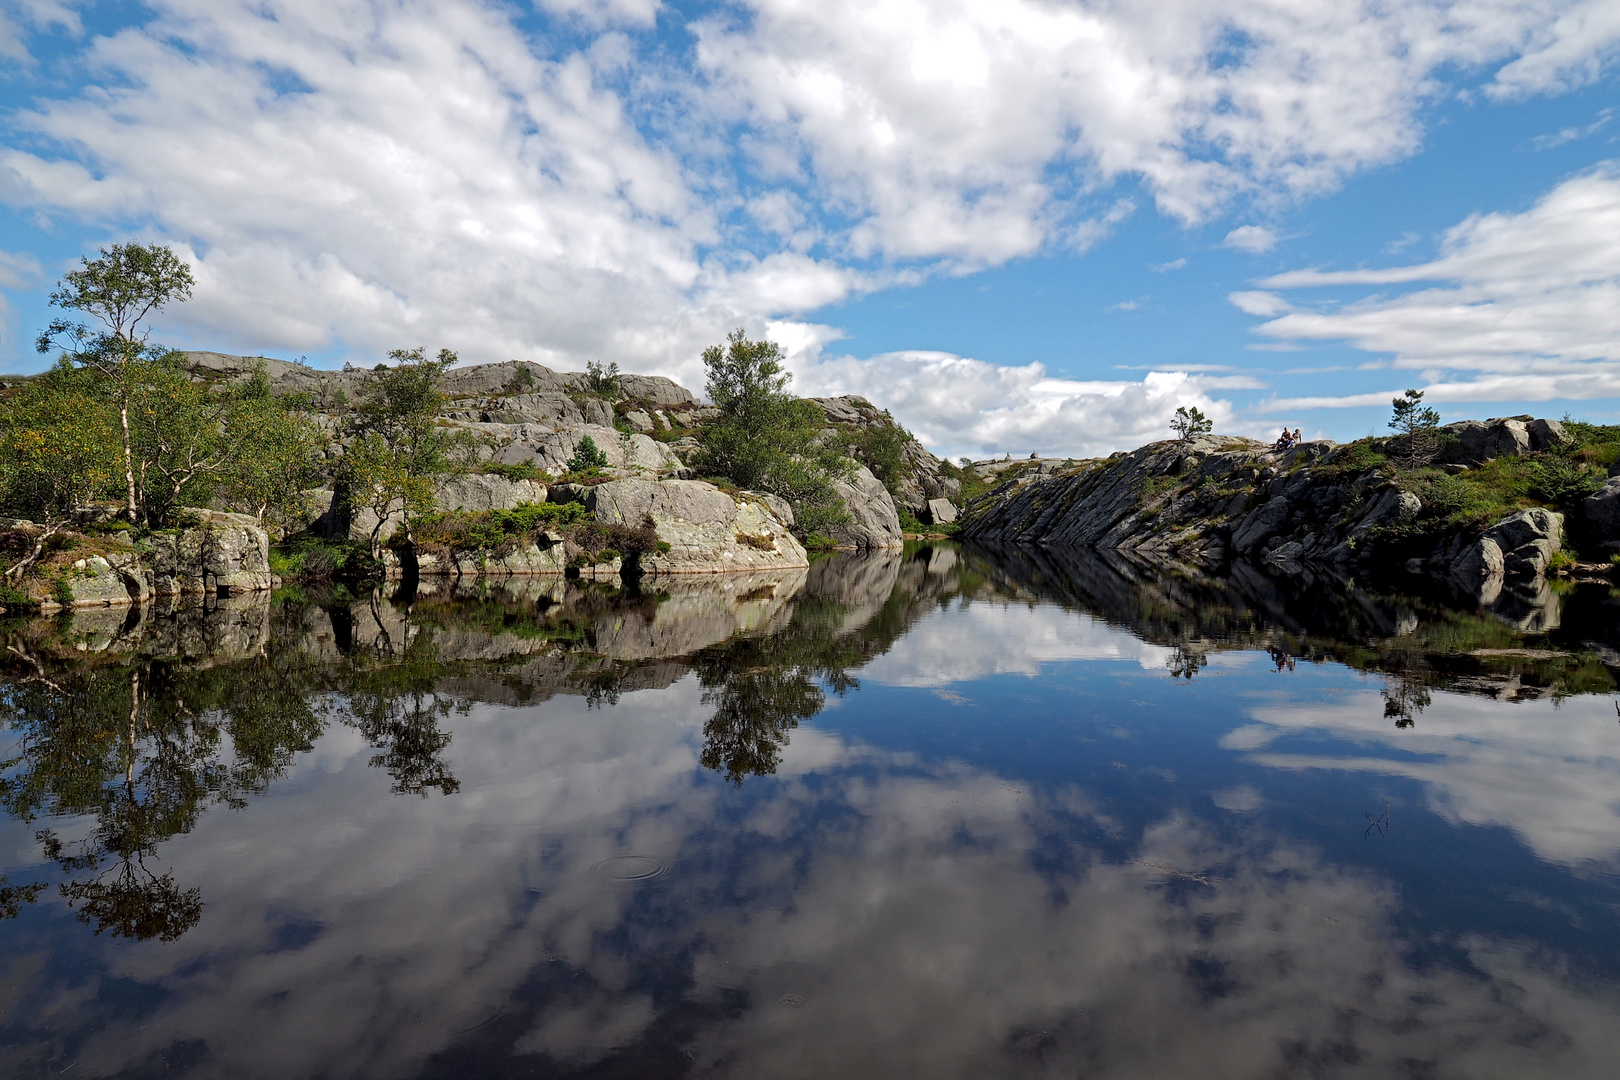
588, 457
1419, 425
1191, 421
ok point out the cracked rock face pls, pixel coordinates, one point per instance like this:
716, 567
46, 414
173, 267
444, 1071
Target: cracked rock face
707, 530
1203, 499
874, 522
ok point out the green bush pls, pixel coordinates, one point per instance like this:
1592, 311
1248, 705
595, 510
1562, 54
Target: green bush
1562, 481
466, 530
588, 457
14, 599
526, 471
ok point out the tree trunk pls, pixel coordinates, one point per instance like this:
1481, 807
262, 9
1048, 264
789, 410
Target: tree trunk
129, 459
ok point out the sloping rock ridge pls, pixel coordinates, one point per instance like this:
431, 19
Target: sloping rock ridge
1210, 499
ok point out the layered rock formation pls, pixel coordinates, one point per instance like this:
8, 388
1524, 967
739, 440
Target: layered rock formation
1210, 499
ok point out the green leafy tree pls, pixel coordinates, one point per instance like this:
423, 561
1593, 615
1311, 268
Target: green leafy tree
767, 439
120, 289
397, 452
1190, 421
58, 452
602, 381
1418, 427
882, 448
274, 465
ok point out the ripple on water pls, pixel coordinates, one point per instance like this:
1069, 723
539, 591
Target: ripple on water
631, 869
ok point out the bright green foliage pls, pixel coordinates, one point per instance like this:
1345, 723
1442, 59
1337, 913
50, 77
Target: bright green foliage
397, 452
588, 458
882, 449
272, 463
765, 438
58, 446
1417, 425
464, 530
524, 471
120, 289
1190, 421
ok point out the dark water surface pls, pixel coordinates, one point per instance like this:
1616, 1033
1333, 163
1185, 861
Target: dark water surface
946, 814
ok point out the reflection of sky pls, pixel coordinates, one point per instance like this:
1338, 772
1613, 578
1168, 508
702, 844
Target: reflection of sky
970, 641
1548, 771
873, 909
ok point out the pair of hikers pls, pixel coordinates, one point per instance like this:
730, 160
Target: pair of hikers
1288, 438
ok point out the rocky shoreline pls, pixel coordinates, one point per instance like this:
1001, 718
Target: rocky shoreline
1212, 500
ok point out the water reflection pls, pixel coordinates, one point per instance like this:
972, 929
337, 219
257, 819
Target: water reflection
1143, 853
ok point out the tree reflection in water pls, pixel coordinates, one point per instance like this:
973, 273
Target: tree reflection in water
143, 749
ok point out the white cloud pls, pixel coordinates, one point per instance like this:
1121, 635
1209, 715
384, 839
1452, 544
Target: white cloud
1174, 264
1570, 134
360, 174
1254, 239
1528, 308
957, 405
1569, 51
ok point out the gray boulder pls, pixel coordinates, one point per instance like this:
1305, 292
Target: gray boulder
513, 376
110, 580
486, 491
224, 553
941, 512
544, 410
550, 451
1602, 511
874, 522
1546, 434
656, 389
1528, 540
1474, 442
707, 530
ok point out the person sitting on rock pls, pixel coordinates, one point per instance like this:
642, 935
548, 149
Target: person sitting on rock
1296, 439
1283, 440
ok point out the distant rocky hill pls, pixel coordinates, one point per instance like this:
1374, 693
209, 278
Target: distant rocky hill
1495, 511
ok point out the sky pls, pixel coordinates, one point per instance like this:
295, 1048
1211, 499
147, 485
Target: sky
1021, 225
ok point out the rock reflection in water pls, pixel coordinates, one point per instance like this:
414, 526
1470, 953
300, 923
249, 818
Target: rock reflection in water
619, 845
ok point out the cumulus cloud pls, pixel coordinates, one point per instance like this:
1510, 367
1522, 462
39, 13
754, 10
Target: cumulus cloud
1527, 306
958, 405
1255, 239
354, 175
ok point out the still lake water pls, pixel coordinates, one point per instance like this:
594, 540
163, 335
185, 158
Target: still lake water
948, 813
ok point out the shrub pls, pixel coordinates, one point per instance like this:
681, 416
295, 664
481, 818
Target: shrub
14, 599
526, 471
882, 449
765, 438
1563, 482
465, 530
602, 381
1190, 421
588, 457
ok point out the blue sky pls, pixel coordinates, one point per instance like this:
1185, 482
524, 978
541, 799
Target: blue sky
1021, 225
